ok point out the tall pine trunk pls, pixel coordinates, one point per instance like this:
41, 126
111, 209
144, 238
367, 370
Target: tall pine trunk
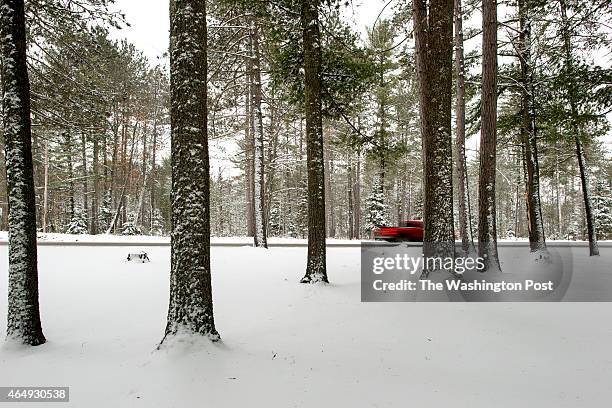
316, 270
537, 240
434, 36
487, 230
584, 171
95, 200
260, 239
23, 310
84, 175
191, 305
45, 207
464, 230
249, 147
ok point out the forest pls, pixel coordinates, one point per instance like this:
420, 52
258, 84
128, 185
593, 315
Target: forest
101, 121
335, 133
262, 154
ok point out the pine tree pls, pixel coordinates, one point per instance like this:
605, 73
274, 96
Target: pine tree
78, 223
130, 227
377, 211
433, 24
467, 242
575, 128
157, 223
106, 212
602, 208
191, 304
487, 225
316, 270
537, 239
24, 324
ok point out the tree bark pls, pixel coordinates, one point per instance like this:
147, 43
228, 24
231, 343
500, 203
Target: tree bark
464, 231
537, 240
153, 178
433, 36
329, 205
24, 324
316, 270
349, 184
45, 189
260, 239
84, 175
249, 147
95, 200
487, 229
191, 305
68, 153
584, 171
357, 196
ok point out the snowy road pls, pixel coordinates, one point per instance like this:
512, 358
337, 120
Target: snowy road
292, 345
152, 241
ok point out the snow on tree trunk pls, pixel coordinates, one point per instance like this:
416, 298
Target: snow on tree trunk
23, 310
464, 231
584, 172
487, 230
537, 240
260, 238
316, 265
433, 34
191, 305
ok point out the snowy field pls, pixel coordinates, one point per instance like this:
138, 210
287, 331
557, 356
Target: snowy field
291, 345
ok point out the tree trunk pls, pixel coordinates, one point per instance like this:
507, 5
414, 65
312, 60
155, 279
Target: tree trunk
191, 304
140, 218
433, 36
537, 240
584, 171
68, 153
249, 147
464, 231
329, 205
23, 324
316, 270
95, 200
357, 197
260, 239
487, 229
153, 178
349, 184
84, 175
45, 189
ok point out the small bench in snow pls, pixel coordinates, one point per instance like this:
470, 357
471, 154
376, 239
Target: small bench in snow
139, 257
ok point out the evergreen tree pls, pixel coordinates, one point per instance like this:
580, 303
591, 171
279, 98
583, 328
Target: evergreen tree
487, 225
78, 223
377, 211
602, 208
24, 324
316, 270
433, 24
191, 304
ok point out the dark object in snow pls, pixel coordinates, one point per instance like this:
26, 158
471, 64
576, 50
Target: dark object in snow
140, 257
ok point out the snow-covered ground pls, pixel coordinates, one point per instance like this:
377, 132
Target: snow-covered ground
291, 345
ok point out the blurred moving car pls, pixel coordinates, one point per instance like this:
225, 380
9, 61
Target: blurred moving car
411, 230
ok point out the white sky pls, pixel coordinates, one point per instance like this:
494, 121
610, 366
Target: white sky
149, 30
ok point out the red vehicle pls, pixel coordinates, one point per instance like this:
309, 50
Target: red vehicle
411, 230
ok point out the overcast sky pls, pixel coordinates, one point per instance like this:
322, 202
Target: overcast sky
150, 24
